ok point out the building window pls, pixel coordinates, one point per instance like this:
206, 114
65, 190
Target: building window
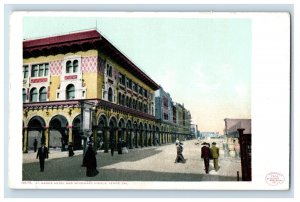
34, 71
70, 92
24, 95
25, 71
75, 66
110, 95
119, 98
33, 95
109, 70
39, 70
42, 94
69, 67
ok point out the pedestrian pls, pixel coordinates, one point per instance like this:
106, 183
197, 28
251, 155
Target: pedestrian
42, 154
35, 143
214, 152
112, 147
179, 157
119, 146
237, 149
70, 148
176, 142
90, 162
205, 154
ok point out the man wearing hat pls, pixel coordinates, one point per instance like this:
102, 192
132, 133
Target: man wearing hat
205, 153
42, 154
214, 152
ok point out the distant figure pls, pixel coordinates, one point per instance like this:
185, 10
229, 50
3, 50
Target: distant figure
112, 147
119, 146
90, 162
237, 149
177, 141
205, 154
35, 143
179, 157
70, 148
214, 152
42, 154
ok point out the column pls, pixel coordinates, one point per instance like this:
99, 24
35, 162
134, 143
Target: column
146, 138
95, 137
142, 138
47, 136
25, 140
70, 134
105, 136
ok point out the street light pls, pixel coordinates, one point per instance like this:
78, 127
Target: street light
86, 122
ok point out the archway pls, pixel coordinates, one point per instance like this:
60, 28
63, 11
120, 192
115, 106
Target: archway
129, 135
36, 130
135, 134
112, 132
58, 132
77, 139
101, 139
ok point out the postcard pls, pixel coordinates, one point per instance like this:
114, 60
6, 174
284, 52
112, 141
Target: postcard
164, 100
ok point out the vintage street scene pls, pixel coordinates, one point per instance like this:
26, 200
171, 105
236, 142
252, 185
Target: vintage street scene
136, 99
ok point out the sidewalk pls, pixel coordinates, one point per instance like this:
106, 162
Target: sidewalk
140, 164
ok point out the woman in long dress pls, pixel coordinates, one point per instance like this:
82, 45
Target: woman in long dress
90, 162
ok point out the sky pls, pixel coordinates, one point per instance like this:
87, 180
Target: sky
204, 63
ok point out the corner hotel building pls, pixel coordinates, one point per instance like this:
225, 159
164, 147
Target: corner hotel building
61, 71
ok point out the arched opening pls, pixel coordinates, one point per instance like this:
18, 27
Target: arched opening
77, 140
33, 95
36, 130
43, 94
68, 67
100, 133
24, 94
112, 132
70, 92
75, 66
135, 134
58, 133
129, 136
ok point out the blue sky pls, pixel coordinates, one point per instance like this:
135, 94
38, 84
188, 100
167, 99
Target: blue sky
204, 63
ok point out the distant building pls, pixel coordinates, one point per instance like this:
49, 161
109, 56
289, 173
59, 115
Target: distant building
205, 135
231, 126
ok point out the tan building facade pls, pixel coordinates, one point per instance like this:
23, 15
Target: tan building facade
61, 72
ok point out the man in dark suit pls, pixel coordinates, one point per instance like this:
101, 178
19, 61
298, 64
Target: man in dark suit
205, 154
42, 155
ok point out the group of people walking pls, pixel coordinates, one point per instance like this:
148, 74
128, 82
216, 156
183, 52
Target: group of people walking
208, 153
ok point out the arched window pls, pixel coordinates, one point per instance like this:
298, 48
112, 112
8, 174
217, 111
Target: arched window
69, 67
33, 95
24, 95
110, 95
42, 94
70, 92
75, 66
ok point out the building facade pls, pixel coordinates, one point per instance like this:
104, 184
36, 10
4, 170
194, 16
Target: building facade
172, 114
60, 72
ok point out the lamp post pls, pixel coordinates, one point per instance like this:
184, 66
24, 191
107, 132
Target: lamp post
86, 122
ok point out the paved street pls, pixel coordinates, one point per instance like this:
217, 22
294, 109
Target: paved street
146, 164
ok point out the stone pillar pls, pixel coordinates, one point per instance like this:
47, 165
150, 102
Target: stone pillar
70, 134
146, 138
47, 136
95, 137
106, 137
25, 148
142, 138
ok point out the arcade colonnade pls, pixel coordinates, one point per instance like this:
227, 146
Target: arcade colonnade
59, 126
